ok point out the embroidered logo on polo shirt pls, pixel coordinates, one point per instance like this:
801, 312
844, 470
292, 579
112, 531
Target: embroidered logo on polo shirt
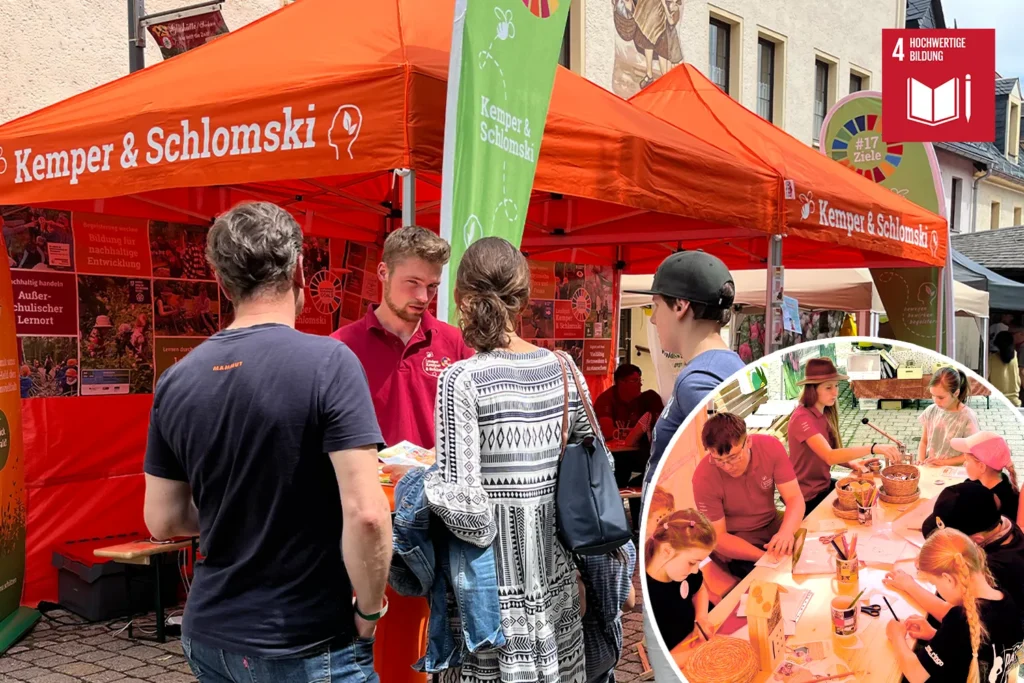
767, 483
434, 366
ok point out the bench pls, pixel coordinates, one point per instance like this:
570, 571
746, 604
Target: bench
149, 552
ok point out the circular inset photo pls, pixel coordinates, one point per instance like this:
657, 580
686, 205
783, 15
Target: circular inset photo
841, 508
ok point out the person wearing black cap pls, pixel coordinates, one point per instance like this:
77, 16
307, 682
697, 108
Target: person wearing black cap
971, 509
693, 294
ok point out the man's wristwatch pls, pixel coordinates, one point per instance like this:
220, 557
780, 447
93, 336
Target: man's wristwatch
370, 617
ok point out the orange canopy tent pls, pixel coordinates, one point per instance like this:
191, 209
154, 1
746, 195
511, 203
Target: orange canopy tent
339, 95
314, 107
826, 204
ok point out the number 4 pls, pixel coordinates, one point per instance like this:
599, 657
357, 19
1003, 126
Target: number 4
897, 52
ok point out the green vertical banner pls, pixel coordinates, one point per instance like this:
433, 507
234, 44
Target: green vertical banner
502, 70
852, 136
14, 620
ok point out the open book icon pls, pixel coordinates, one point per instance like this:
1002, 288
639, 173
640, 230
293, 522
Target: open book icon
933, 106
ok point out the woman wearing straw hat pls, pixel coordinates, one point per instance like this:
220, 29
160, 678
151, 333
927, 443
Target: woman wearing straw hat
815, 444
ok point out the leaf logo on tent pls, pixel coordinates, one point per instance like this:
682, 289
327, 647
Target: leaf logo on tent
348, 122
3, 162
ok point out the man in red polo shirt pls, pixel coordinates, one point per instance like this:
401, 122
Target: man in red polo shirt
402, 347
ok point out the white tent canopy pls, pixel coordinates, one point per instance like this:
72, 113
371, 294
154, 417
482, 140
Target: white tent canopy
850, 289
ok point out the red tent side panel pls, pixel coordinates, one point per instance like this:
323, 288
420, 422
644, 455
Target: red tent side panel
84, 476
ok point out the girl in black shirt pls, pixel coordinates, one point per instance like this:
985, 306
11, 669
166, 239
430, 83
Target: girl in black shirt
988, 462
978, 638
675, 586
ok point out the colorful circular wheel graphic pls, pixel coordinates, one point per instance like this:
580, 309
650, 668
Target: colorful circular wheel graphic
541, 8
858, 145
325, 289
581, 304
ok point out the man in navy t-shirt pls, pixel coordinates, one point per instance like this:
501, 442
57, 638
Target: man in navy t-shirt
263, 442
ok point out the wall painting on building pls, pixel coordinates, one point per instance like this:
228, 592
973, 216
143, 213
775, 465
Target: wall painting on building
647, 42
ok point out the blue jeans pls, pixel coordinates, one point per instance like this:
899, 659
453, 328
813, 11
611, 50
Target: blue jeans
350, 664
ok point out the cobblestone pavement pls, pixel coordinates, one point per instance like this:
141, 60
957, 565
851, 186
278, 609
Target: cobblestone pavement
62, 648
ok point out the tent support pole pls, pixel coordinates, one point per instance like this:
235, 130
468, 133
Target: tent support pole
408, 196
984, 347
949, 305
136, 36
773, 306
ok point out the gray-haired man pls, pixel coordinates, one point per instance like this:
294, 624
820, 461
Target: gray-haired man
256, 439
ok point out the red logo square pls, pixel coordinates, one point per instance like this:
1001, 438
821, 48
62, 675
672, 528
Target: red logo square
939, 86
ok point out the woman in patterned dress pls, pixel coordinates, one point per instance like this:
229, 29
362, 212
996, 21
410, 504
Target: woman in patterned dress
499, 421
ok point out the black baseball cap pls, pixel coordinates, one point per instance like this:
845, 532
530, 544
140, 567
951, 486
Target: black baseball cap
692, 276
970, 508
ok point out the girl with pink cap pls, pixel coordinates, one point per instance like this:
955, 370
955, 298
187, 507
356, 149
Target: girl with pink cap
988, 462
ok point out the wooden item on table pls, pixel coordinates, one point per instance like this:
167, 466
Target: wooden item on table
767, 630
845, 493
900, 480
842, 513
899, 500
723, 660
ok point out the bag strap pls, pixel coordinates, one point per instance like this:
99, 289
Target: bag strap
565, 406
594, 424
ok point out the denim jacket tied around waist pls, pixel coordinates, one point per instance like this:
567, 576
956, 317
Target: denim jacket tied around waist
430, 561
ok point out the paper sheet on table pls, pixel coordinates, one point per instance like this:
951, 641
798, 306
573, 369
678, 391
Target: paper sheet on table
831, 524
815, 557
771, 561
954, 472
900, 606
880, 549
776, 407
759, 421
909, 525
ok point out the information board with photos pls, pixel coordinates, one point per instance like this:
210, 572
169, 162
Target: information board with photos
572, 308
105, 304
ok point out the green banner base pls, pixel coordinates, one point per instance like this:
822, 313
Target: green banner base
16, 625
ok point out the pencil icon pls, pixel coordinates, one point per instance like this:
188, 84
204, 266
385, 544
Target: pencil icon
967, 95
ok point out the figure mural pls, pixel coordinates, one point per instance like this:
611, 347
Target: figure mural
648, 43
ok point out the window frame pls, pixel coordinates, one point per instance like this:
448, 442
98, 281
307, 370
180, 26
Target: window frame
764, 44
718, 26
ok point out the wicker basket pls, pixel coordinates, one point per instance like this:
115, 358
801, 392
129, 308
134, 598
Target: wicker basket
625, 26
906, 486
847, 499
842, 513
722, 660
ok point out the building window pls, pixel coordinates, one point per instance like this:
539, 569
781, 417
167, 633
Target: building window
719, 37
993, 223
955, 197
1013, 130
856, 83
1016, 215
766, 79
820, 96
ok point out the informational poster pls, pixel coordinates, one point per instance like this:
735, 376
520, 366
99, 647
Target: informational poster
12, 477
323, 292
115, 316
110, 245
362, 288
501, 70
177, 36
37, 239
573, 309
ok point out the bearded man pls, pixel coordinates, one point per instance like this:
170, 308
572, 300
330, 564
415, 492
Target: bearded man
402, 347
